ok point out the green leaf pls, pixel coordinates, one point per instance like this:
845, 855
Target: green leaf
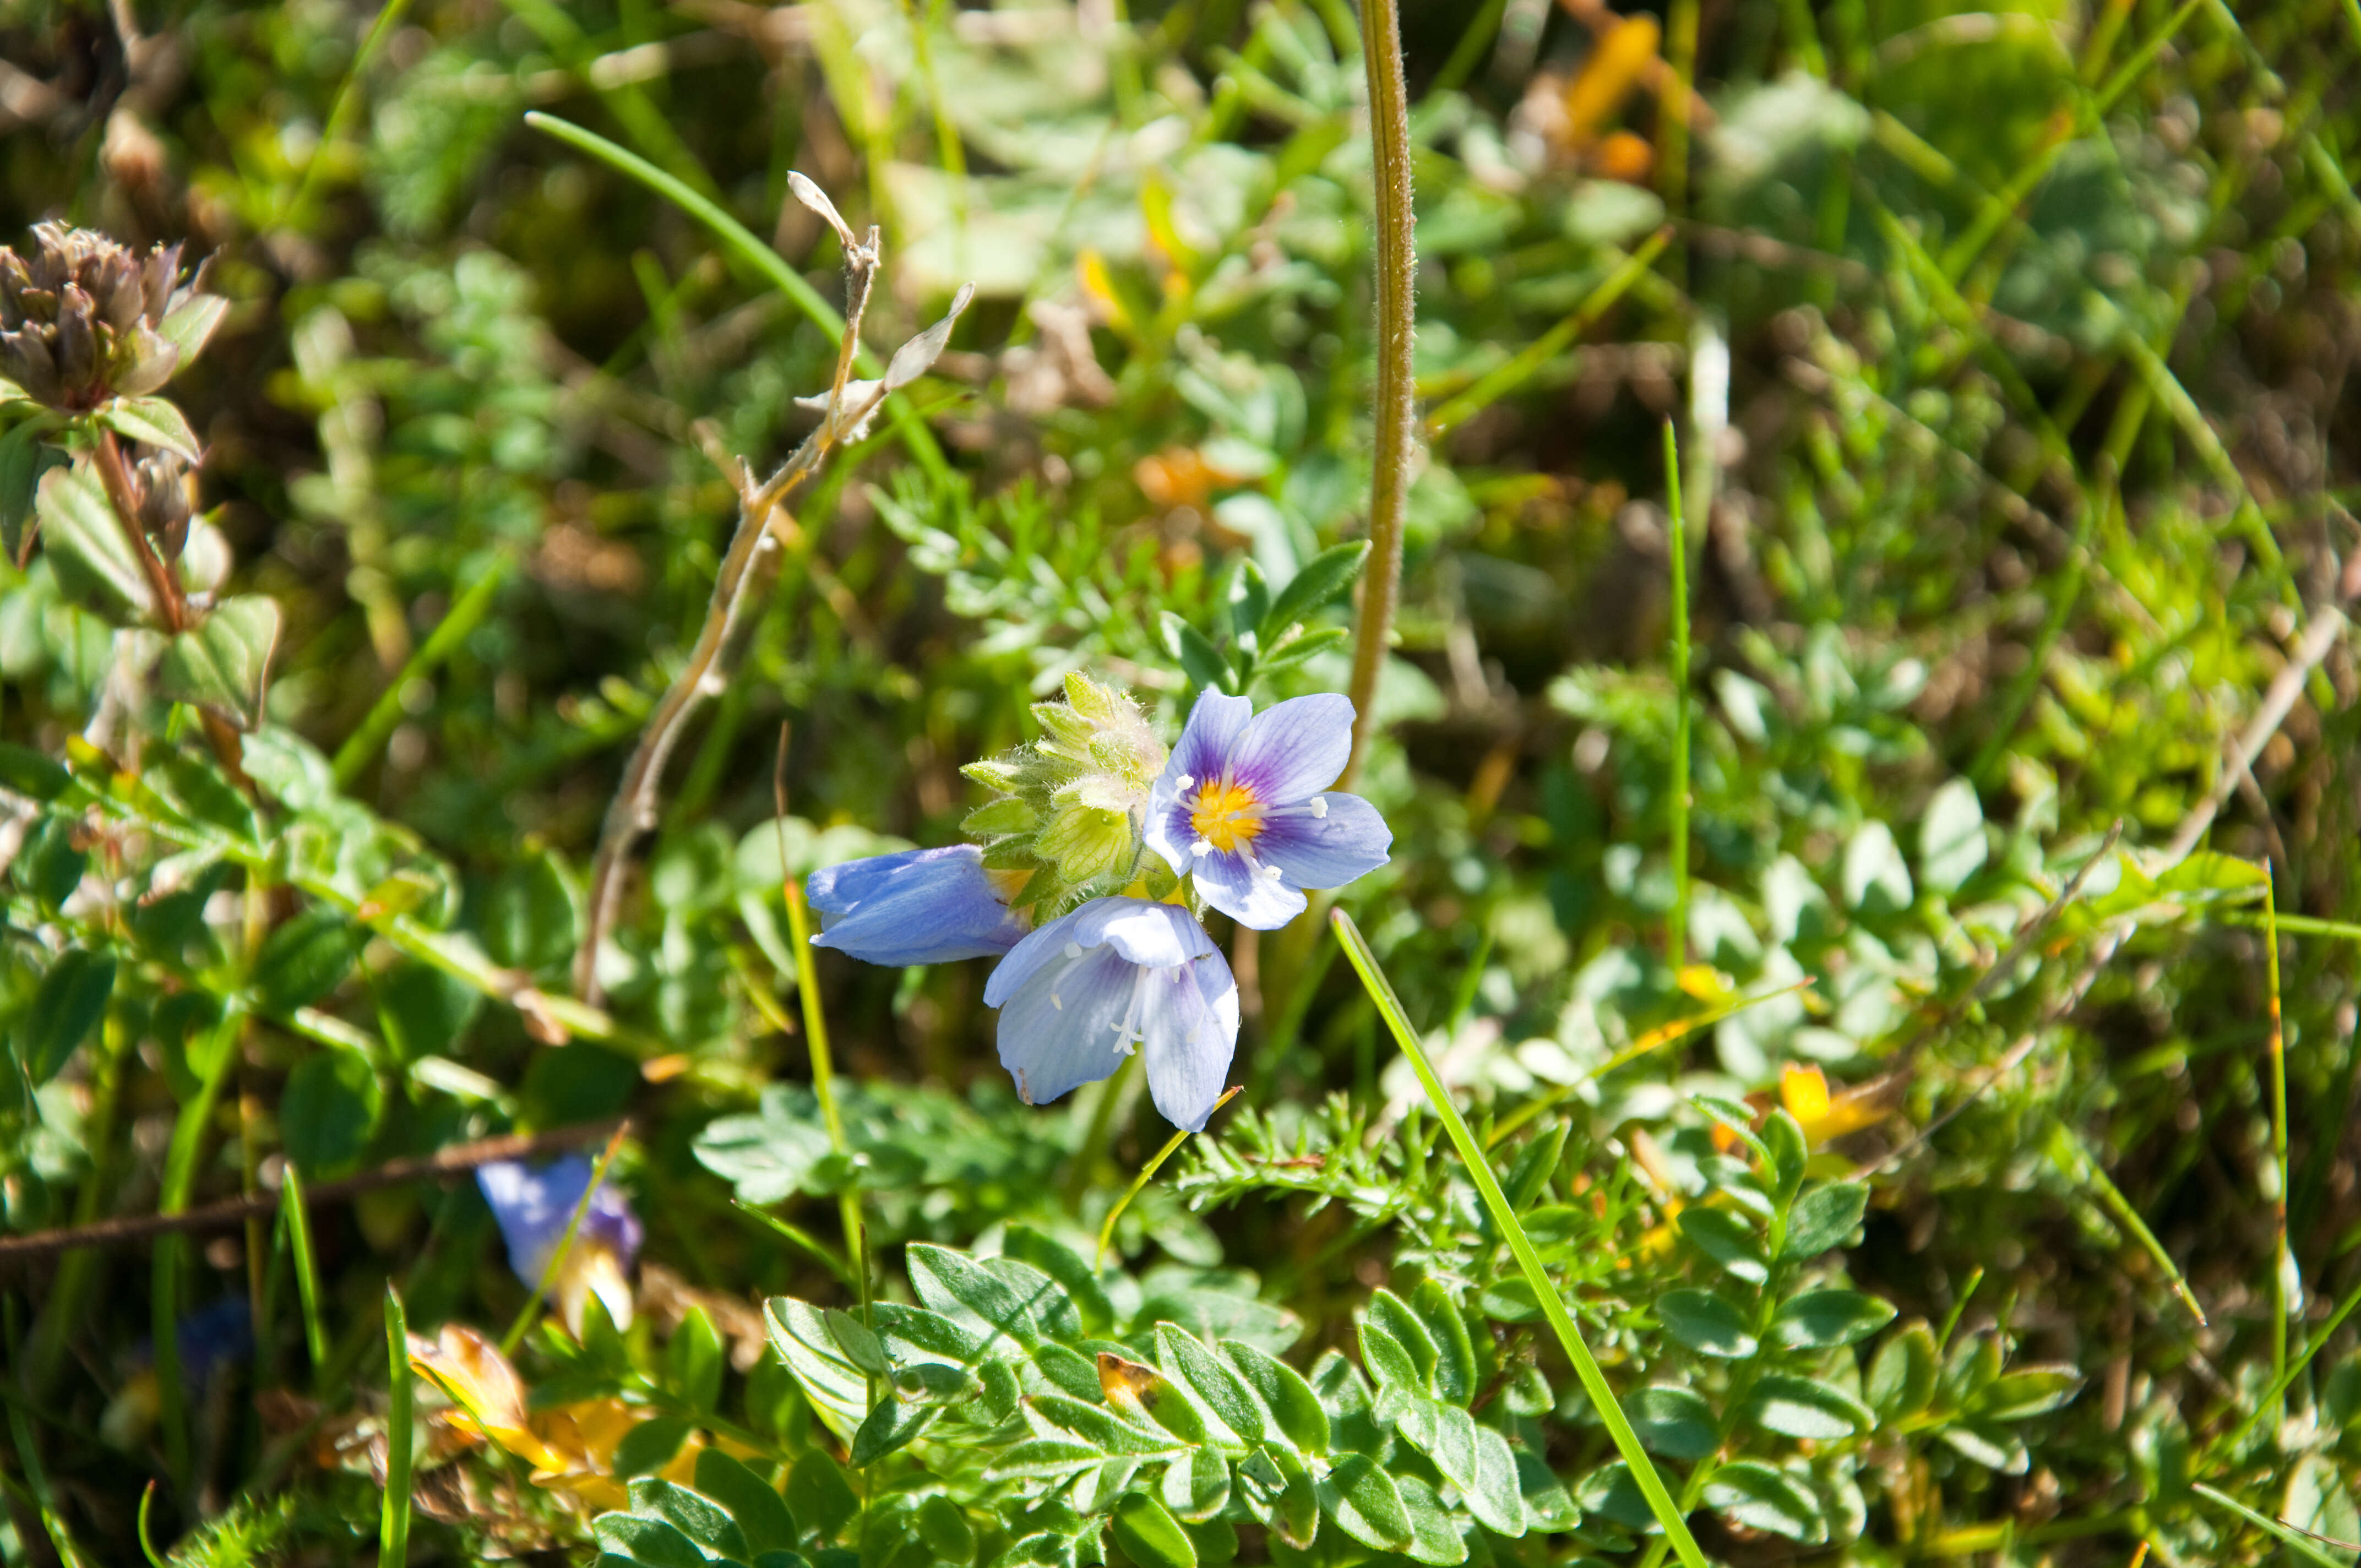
1822, 1218
2024, 1391
693, 1360
68, 1003
1199, 659
528, 918
223, 662
288, 768
1386, 1359
649, 1446
303, 960
1952, 837
1150, 1536
155, 421
1434, 1535
1783, 1141
1760, 1497
819, 1496
891, 1426
24, 458
1299, 649
1366, 1504
1673, 1421
1875, 877
1994, 1448
1820, 1320
1214, 1387
962, 1288
655, 1543
995, 818
31, 773
1325, 577
761, 1514
52, 860
1611, 1492
1393, 1314
93, 560
943, 1525
1802, 1407
188, 324
1197, 1486
1529, 1177
329, 1111
701, 1519
1455, 1362
1294, 1408
1902, 1374
1728, 1240
1706, 1323
1248, 596
1068, 1268
838, 1389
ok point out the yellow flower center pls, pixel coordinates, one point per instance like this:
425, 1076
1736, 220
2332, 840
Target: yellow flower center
1226, 816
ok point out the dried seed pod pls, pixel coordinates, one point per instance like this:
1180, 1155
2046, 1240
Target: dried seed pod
84, 320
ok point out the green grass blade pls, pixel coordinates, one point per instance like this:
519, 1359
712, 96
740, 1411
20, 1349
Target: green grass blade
741, 242
385, 712
1529, 362
393, 1535
2302, 1542
510, 1339
307, 1273
1528, 1261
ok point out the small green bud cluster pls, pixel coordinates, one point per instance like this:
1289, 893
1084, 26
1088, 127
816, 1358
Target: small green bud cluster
1068, 810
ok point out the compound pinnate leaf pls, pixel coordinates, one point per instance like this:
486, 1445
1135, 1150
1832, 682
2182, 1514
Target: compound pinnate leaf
1902, 1374
699, 1517
1150, 1536
1673, 1421
1295, 1409
652, 1541
1214, 1387
1802, 1407
1728, 1240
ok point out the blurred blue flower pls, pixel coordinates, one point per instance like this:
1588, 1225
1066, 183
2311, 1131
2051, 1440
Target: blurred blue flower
1243, 807
533, 1207
1118, 975
921, 906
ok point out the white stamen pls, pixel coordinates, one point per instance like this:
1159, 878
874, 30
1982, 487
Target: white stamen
1270, 871
1202, 846
1057, 1002
1073, 949
1319, 805
1186, 782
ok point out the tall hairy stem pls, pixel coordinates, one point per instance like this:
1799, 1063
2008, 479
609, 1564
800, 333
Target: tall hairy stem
1397, 262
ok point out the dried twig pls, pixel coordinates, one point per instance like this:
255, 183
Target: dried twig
233, 1211
747, 572
2318, 638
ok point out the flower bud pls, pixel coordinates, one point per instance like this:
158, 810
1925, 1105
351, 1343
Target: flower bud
81, 318
167, 496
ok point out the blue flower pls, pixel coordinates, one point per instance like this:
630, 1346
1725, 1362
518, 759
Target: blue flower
1118, 975
921, 906
533, 1208
1244, 808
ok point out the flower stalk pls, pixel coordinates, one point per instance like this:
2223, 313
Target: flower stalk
1397, 264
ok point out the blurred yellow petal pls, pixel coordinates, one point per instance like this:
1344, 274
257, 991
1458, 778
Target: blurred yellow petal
1614, 67
592, 1268
477, 1378
1804, 1090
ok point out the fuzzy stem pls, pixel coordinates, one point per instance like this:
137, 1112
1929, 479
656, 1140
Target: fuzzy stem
1397, 262
1676, 924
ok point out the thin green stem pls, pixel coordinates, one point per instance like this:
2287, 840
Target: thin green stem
1147, 1174
393, 1534
515, 1336
164, 1302
2303, 1542
1397, 258
385, 712
1469, 52
340, 112
307, 1275
1676, 923
1529, 1260
2282, 1264
856, 1234
1100, 1135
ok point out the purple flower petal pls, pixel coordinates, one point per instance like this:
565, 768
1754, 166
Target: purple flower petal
1080, 993
1347, 839
1210, 740
534, 1206
1245, 892
921, 906
1295, 749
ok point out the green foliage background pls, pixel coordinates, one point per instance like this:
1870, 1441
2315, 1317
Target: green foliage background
2009, 356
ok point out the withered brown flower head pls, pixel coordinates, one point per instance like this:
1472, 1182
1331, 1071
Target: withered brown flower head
79, 317
163, 483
